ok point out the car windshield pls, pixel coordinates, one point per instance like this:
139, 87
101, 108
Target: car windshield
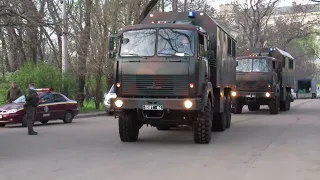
254, 65
21, 99
138, 43
175, 42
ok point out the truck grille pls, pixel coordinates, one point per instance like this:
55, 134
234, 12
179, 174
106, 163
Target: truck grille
253, 85
155, 85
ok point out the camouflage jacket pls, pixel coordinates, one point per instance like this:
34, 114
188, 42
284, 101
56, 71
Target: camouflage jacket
32, 98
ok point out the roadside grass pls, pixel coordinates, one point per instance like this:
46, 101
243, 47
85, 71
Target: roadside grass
89, 106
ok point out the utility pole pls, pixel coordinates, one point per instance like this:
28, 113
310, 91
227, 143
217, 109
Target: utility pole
65, 65
65, 61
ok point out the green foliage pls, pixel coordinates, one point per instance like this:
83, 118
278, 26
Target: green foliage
89, 106
43, 75
310, 45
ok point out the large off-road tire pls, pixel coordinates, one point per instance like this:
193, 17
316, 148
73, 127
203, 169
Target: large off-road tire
228, 112
202, 126
274, 106
219, 122
237, 107
128, 128
163, 127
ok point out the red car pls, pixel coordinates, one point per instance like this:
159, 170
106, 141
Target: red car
52, 106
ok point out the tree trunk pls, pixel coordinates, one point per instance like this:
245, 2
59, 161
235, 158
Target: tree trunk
84, 47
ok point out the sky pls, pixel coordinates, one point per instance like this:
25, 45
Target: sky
216, 3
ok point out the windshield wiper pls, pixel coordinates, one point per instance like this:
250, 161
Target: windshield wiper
134, 54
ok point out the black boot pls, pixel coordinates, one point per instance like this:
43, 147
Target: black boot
32, 133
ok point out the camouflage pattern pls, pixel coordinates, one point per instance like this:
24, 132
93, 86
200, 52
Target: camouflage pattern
157, 78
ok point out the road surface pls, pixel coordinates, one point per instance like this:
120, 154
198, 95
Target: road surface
258, 146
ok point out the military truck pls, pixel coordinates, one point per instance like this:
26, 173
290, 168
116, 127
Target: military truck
173, 69
306, 88
265, 76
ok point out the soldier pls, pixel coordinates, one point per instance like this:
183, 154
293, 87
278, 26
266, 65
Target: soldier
13, 93
31, 105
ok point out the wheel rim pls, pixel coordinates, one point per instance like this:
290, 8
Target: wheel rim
68, 116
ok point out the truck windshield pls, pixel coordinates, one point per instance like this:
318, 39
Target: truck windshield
176, 42
254, 65
138, 43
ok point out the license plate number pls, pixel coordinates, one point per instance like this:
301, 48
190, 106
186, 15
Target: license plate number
250, 95
152, 107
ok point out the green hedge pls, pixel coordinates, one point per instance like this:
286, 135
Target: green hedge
43, 75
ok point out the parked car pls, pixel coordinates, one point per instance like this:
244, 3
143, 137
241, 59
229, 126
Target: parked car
52, 106
107, 100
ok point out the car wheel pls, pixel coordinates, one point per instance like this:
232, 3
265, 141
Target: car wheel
68, 117
2, 125
44, 122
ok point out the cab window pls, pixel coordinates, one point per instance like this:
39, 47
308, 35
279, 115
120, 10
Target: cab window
46, 98
58, 98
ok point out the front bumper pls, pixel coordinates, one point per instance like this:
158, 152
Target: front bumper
253, 95
172, 104
10, 118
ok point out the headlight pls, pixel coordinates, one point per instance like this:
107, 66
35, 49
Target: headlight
188, 104
118, 103
267, 94
12, 111
233, 93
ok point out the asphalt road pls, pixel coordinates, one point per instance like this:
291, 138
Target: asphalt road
258, 146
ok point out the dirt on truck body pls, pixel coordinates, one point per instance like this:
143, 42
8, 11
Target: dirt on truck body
265, 76
170, 70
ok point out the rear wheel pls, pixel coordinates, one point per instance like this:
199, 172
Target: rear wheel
237, 107
228, 112
2, 125
68, 117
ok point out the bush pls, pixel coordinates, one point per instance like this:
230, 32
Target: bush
43, 75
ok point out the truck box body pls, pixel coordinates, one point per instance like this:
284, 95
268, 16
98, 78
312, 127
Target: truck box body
306, 88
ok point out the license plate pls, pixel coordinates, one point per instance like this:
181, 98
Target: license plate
250, 95
152, 107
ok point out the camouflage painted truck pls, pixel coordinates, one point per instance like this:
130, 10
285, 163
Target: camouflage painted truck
173, 69
265, 76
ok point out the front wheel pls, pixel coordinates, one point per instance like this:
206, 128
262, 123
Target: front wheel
202, 126
2, 125
128, 128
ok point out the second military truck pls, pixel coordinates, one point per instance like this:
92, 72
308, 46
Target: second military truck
265, 76
175, 68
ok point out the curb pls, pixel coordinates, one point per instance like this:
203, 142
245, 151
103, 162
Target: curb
87, 115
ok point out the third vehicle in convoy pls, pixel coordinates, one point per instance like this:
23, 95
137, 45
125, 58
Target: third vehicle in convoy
265, 76
175, 68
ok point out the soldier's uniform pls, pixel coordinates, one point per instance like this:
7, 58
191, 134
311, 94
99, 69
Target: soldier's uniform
31, 105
